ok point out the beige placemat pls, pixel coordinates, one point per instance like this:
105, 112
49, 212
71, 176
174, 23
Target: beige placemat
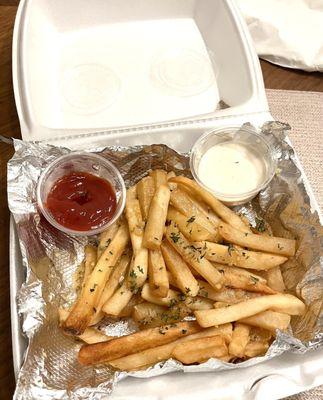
304, 113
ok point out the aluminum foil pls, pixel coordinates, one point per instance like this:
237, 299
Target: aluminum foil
50, 369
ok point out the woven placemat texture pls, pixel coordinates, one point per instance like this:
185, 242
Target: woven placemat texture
304, 113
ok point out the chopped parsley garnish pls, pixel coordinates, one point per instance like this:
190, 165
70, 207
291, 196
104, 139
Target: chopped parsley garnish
254, 279
184, 331
133, 274
175, 237
94, 286
140, 269
190, 220
230, 249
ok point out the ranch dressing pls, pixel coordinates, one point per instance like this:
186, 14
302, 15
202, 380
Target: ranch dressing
232, 169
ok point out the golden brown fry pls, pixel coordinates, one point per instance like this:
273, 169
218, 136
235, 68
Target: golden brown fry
161, 353
240, 339
241, 279
184, 204
156, 219
114, 281
115, 304
158, 277
84, 308
159, 176
200, 350
275, 279
148, 315
284, 303
269, 244
193, 257
136, 342
106, 237
254, 349
220, 209
232, 255
191, 229
181, 273
145, 193
270, 320
225, 295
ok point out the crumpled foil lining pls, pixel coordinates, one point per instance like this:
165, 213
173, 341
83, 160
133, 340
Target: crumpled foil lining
51, 370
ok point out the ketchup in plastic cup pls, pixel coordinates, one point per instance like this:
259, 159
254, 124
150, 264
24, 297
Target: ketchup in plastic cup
81, 193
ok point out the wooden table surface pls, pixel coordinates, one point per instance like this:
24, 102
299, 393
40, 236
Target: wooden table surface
274, 77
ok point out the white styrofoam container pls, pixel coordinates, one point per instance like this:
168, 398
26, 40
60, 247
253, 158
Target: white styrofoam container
84, 73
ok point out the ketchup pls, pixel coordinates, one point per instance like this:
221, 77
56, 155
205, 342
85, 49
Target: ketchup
81, 201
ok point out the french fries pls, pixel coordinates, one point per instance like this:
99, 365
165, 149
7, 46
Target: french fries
284, 303
145, 193
114, 281
193, 257
240, 339
191, 229
220, 209
181, 273
136, 342
270, 320
84, 308
158, 278
232, 255
160, 353
268, 244
200, 350
156, 219
171, 228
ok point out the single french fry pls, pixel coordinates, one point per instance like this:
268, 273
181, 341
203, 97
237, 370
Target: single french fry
158, 277
161, 353
193, 257
84, 308
275, 279
106, 237
270, 320
240, 339
156, 219
254, 349
200, 350
232, 255
173, 297
219, 208
159, 176
269, 244
89, 261
145, 193
241, 279
115, 304
148, 315
225, 295
114, 281
181, 273
191, 229
136, 342
185, 205
284, 303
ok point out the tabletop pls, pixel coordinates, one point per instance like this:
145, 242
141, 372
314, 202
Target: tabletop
274, 77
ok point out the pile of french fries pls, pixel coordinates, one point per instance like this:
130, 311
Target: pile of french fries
179, 253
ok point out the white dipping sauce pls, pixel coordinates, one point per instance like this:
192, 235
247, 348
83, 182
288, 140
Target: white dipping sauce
231, 169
